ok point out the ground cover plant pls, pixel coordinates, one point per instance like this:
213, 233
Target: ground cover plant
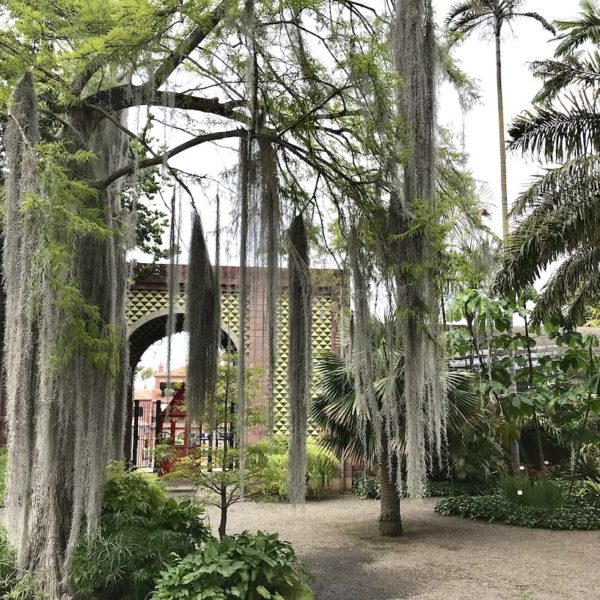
544, 502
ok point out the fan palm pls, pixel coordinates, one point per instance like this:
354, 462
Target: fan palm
348, 428
492, 15
558, 217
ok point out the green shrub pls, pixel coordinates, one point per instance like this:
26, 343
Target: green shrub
266, 463
366, 487
267, 460
539, 493
322, 466
142, 531
9, 575
246, 567
3, 467
572, 514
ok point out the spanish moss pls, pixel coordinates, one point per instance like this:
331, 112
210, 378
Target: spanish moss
424, 397
362, 339
270, 234
245, 165
173, 282
203, 325
299, 355
65, 380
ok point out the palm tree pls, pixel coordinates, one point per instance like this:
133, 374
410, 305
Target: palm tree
470, 15
348, 428
559, 215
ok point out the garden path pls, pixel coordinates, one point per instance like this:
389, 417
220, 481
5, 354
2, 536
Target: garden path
439, 558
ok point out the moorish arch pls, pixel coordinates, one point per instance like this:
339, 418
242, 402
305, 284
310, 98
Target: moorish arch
147, 313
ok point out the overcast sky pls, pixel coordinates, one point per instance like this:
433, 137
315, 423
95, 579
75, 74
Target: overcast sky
526, 42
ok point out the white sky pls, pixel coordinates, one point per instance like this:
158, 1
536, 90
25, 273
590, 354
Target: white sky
527, 42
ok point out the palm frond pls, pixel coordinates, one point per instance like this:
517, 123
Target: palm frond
576, 70
584, 297
558, 133
584, 29
544, 237
579, 271
579, 177
466, 16
344, 425
537, 17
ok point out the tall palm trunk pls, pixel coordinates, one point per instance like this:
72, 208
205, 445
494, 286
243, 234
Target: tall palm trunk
390, 522
514, 444
501, 139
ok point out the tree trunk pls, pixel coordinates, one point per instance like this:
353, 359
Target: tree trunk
390, 522
501, 140
514, 445
224, 507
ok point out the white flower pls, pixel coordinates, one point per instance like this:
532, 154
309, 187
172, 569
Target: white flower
546, 462
519, 492
521, 468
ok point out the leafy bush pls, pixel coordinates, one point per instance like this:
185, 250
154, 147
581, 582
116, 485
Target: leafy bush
572, 514
366, 487
142, 531
247, 567
539, 493
3, 467
322, 465
267, 467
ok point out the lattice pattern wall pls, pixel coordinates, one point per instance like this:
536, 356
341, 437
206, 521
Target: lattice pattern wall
141, 303
321, 341
144, 303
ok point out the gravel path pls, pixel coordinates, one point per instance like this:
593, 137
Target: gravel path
439, 558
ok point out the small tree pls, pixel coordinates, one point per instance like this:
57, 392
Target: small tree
217, 477
214, 468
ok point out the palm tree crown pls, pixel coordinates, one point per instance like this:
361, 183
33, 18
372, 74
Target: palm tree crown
470, 15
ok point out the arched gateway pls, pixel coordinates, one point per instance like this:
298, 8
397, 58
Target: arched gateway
147, 312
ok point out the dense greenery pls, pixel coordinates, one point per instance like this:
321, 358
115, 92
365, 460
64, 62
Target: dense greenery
148, 541
557, 217
354, 137
369, 488
529, 502
246, 566
142, 531
267, 463
366, 487
575, 514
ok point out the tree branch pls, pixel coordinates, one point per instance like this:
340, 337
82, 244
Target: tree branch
152, 162
126, 96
